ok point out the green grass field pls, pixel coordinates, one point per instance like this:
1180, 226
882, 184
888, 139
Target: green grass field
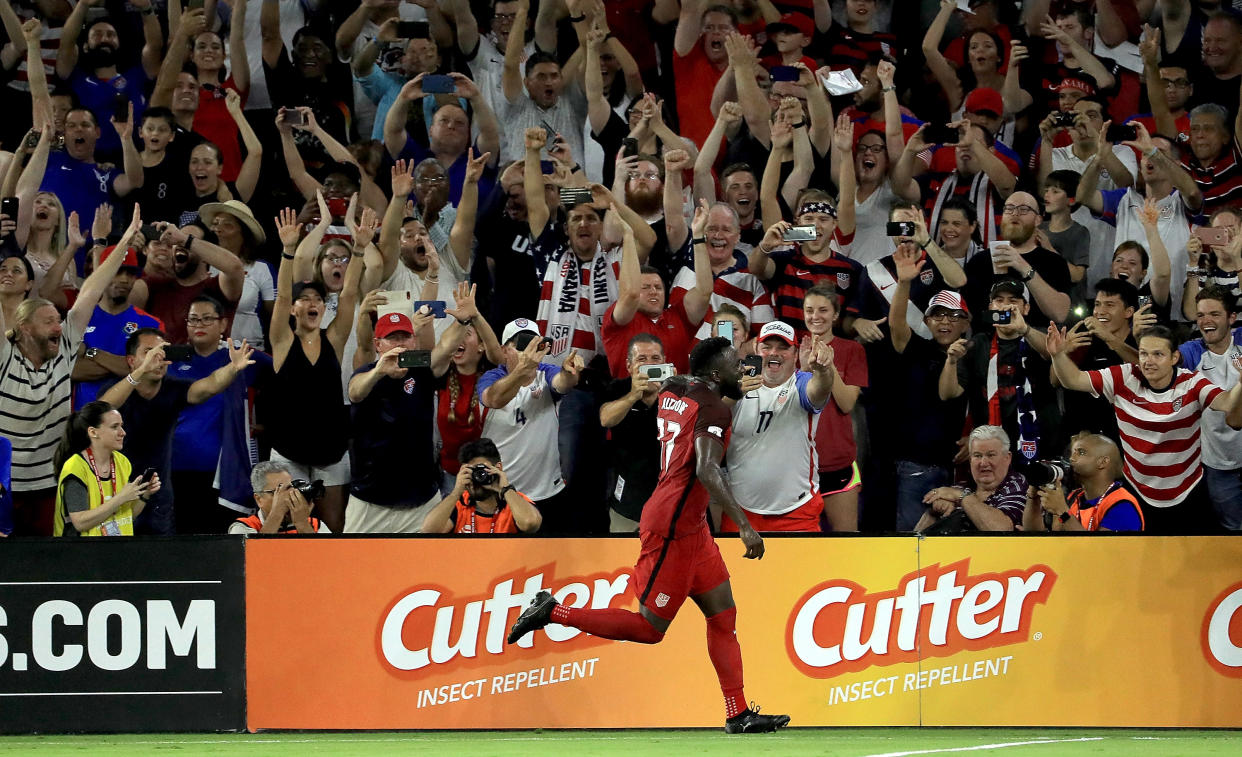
846, 742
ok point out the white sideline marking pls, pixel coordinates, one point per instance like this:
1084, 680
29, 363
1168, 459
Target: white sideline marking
982, 747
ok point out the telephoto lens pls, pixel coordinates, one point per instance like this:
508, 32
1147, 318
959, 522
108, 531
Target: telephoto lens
1047, 472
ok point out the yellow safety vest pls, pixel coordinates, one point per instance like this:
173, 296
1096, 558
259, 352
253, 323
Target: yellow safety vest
122, 521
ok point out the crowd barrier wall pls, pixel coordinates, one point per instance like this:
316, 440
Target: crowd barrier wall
122, 635
973, 631
217, 634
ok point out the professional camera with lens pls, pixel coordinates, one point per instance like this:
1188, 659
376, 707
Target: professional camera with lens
311, 490
1047, 473
481, 476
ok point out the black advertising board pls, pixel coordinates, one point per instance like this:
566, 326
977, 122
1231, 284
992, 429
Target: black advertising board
122, 634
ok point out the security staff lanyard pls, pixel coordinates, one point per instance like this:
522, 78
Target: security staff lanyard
474, 509
90, 460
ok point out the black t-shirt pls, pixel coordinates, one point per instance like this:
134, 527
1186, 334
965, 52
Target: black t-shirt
392, 458
166, 188
1084, 412
979, 279
509, 281
609, 140
1210, 89
929, 426
1017, 362
329, 102
634, 451
149, 427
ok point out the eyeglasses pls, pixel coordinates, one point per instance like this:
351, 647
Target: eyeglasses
1175, 82
876, 149
337, 259
946, 317
653, 175
1019, 210
504, 16
205, 320
433, 179
270, 492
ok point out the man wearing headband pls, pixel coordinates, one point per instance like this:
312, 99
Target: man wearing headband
791, 268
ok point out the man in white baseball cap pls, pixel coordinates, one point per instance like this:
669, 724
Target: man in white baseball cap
772, 463
523, 421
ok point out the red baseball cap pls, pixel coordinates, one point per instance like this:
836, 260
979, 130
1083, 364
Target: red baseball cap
131, 257
392, 323
798, 22
985, 100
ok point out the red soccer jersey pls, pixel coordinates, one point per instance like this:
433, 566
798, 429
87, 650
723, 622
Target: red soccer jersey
687, 411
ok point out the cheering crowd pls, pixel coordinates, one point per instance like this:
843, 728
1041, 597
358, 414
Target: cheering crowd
297, 266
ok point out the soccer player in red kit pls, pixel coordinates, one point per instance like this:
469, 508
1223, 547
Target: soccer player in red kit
679, 558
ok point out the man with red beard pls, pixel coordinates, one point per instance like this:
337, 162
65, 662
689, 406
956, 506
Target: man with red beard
699, 60
1042, 270
647, 187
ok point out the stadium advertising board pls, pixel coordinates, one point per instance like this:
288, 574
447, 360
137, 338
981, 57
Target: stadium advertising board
1112, 631
121, 635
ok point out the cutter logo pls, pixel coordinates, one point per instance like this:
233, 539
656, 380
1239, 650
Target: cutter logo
1222, 633
932, 613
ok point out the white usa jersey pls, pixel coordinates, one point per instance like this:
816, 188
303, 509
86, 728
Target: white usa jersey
771, 460
525, 431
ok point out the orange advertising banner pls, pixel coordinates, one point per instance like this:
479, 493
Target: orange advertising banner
367, 633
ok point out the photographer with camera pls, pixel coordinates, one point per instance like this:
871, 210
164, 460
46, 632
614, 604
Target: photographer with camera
998, 499
1101, 503
285, 503
483, 501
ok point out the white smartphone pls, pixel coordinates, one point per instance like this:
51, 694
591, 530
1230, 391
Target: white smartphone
660, 372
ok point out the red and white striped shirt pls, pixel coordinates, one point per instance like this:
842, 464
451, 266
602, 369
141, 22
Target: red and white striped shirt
741, 289
1160, 445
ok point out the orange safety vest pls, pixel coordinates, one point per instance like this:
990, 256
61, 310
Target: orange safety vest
254, 522
469, 521
1091, 515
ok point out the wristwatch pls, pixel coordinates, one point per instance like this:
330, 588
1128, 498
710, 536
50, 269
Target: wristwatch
505, 491
698, 240
1064, 517
466, 322
1029, 274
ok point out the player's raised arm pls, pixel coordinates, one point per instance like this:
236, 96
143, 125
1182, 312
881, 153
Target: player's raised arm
708, 453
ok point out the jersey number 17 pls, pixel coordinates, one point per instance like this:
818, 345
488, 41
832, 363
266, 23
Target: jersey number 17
666, 444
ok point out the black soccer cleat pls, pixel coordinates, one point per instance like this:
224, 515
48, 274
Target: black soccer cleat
538, 615
750, 721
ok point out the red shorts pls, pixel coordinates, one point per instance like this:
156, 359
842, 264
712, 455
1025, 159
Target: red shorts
669, 570
805, 518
